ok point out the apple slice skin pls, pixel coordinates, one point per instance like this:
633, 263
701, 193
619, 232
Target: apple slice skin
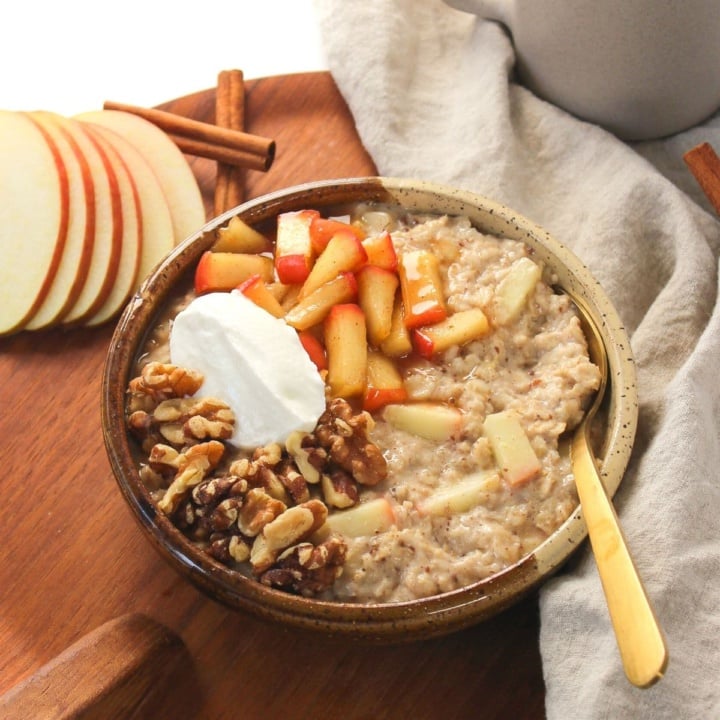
132, 235
77, 252
156, 221
34, 188
105, 259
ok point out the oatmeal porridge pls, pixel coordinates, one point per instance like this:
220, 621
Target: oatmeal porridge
451, 371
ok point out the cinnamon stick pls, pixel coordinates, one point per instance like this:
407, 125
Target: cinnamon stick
229, 113
221, 153
704, 164
204, 136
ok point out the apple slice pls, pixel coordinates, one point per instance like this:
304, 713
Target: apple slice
77, 251
422, 288
381, 251
322, 229
457, 329
238, 236
156, 224
343, 253
256, 289
33, 218
511, 447
294, 253
346, 346
461, 496
224, 271
376, 296
398, 343
429, 420
107, 247
132, 239
178, 183
513, 291
384, 384
313, 308
369, 518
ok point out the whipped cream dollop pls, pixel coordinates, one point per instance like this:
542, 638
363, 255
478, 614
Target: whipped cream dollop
252, 361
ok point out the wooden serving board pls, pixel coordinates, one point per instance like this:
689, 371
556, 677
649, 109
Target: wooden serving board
74, 559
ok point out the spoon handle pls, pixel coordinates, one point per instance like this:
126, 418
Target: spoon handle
640, 640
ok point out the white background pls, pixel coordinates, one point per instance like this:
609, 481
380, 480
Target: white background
69, 56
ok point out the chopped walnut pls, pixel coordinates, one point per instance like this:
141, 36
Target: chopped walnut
192, 466
229, 549
160, 381
184, 421
257, 511
289, 528
307, 569
260, 471
339, 490
345, 437
303, 457
293, 481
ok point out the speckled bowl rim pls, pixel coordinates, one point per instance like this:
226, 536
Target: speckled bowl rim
387, 622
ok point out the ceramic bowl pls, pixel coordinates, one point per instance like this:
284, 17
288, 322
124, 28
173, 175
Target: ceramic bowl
388, 622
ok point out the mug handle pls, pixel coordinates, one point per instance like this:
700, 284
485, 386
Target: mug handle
489, 9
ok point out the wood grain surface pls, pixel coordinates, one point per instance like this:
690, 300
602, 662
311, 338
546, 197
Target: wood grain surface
73, 558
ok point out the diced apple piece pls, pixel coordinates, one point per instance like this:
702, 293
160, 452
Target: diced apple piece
461, 496
376, 295
279, 290
313, 308
422, 288
294, 254
256, 289
513, 290
289, 297
384, 383
346, 345
457, 329
511, 447
237, 236
343, 253
432, 421
381, 251
322, 230
376, 221
314, 348
368, 518
218, 271
398, 342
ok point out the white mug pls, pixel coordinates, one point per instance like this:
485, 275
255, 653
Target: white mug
640, 68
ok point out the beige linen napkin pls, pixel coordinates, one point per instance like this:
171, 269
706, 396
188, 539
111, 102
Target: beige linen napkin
432, 94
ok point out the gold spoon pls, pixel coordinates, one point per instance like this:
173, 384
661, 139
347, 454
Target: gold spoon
640, 640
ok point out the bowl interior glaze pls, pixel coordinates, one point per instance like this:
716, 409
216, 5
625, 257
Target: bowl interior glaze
389, 622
